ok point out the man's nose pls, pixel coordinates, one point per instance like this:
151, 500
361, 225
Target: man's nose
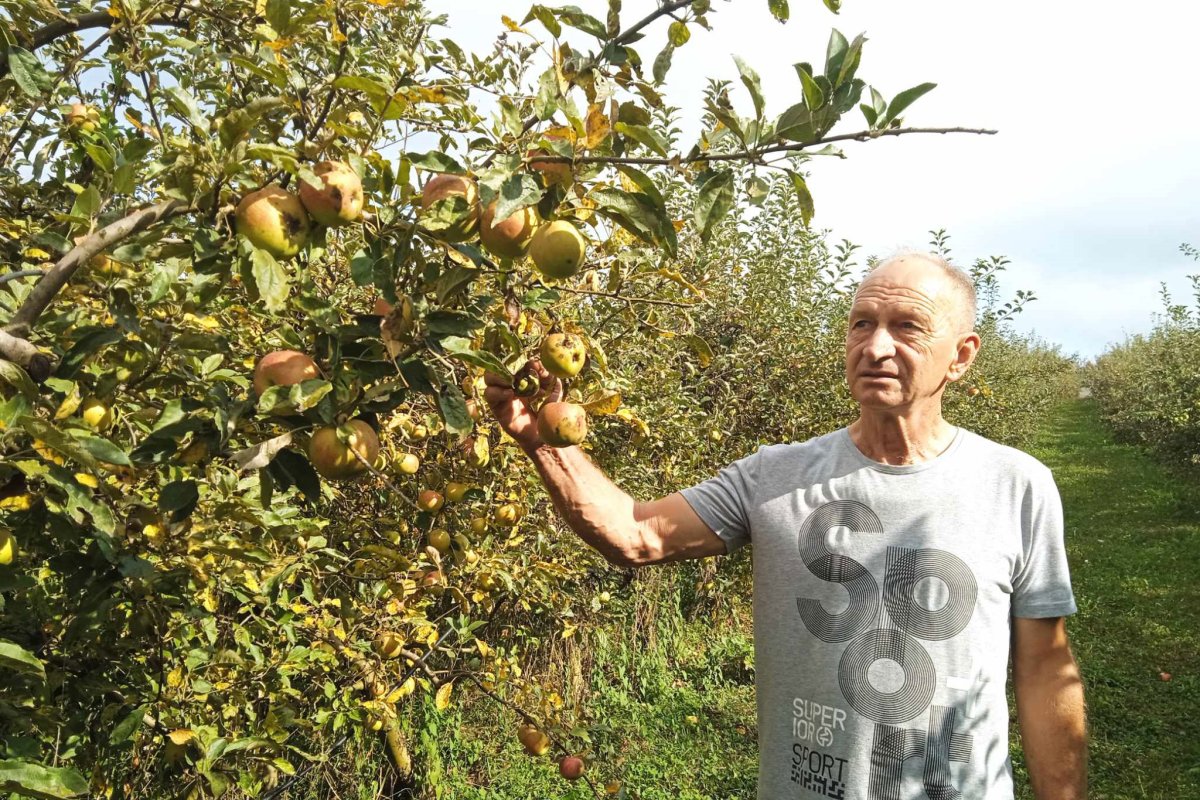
880, 345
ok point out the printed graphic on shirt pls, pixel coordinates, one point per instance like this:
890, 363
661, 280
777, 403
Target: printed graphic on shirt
886, 675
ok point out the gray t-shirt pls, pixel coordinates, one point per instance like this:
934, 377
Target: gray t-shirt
882, 605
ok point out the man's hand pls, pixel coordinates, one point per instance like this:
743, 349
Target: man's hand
514, 413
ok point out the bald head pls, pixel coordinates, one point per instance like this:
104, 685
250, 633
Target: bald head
957, 287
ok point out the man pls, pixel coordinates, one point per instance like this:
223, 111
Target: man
895, 563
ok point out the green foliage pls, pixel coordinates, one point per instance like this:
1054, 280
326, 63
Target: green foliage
1148, 387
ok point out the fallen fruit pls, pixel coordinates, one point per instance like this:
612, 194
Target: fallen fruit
273, 220
506, 515
456, 491
563, 354
340, 201
562, 424
558, 249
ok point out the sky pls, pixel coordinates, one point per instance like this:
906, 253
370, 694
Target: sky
1083, 188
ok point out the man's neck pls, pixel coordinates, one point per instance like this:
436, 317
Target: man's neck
898, 438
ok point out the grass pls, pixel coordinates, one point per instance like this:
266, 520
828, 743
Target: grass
1133, 538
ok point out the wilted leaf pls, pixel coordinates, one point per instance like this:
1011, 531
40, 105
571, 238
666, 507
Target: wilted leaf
442, 701
605, 403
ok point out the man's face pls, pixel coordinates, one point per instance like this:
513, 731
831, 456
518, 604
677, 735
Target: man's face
903, 339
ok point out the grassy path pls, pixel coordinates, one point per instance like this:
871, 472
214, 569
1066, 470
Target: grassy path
1133, 538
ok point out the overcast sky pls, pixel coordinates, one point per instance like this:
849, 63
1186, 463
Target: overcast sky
1084, 186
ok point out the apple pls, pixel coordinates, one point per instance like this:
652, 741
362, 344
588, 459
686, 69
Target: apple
449, 187
283, 368
273, 220
509, 237
340, 202
335, 460
433, 582
95, 413
82, 117
430, 500
562, 424
571, 767
563, 354
456, 491
389, 644
558, 249
407, 463
440, 540
479, 526
551, 171
8, 547
533, 739
506, 515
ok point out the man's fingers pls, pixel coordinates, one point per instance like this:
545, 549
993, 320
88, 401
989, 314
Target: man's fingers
493, 379
556, 392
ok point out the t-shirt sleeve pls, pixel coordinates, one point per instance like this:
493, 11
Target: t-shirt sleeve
724, 501
1042, 585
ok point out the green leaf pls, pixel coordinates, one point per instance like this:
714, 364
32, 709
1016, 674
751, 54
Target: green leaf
87, 203
31, 779
452, 323
645, 136
18, 659
803, 196
835, 54
435, 161
185, 104
678, 34
179, 499
834, 5
519, 191
576, 18
546, 17
545, 103
126, 728
279, 15
714, 200
779, 9
285, 400
17, 378
851, 61
639, 214
103, 449
643, 181
796, 124
752, 82
454, 409
289, 468
271, 280
460, 348
902, 101
57, 440
373, 88
662, 63
814, 98
614, 17
28, 72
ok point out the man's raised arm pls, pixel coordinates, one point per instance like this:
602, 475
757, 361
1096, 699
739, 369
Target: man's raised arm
625, 531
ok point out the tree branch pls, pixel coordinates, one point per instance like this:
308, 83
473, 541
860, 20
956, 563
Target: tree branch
93, 244
95, 19
24, 354
744, 155
670, 8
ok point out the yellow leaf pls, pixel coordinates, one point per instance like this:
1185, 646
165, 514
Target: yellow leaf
682, 281
87, 480
36, 252
442, 701
114, 11
18, 502
208, 599
604, 404
175, 677
512, 25
484, 649
598, 126
181, 736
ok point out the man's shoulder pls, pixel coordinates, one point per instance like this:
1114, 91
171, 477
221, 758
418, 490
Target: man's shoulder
1002, 457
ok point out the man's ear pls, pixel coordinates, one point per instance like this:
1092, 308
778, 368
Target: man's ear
968, 348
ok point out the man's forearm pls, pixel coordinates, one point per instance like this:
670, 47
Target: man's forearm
590, 503
1050, 707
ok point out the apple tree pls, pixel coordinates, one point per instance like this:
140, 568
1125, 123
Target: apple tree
259, 255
